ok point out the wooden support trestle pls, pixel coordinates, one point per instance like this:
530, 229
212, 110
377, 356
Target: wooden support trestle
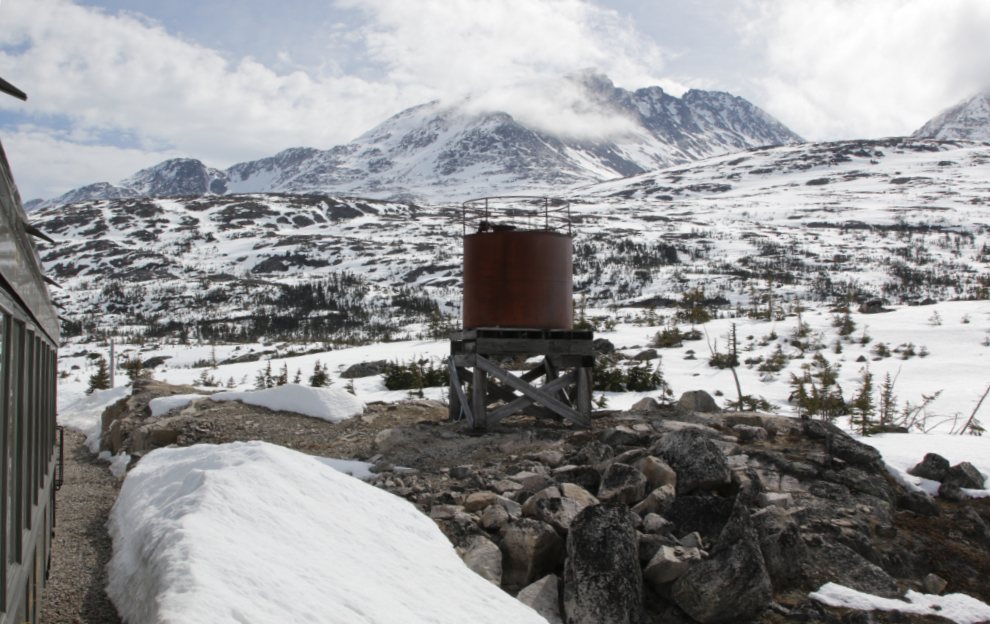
562, 395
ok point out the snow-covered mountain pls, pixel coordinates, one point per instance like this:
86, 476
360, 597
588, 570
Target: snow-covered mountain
576, 130
969, 119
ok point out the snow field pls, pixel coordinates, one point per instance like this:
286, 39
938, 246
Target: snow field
253, 532
959, 608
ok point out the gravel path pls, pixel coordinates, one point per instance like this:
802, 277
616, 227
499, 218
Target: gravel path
82, 547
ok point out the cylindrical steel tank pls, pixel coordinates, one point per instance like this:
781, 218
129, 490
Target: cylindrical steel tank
518, 279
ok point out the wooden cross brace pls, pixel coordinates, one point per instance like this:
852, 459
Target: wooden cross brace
551, 395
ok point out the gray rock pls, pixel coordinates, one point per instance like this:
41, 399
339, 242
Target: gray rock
658, 472
698, 401
747, 433
511, 507
698, 462
705, 514
648, 404
771, 428
494, 518
461, 472
578, 493
732, 584
622, 484
531, 481
558, 512
669, 563
592, 454
920, 503
851, 451
934, 584
655, 523
784, 550
585, 476
646, 356
529, 548
529, 507
485, 558
602, 345
658, 501
620, 437
932, 467
951, 492
603, 583
543, 596
839, 564
476, 501
965, 475
365, 369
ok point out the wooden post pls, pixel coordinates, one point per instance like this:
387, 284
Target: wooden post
584, 391
479, 394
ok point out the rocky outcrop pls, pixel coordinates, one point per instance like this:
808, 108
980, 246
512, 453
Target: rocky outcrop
691, 523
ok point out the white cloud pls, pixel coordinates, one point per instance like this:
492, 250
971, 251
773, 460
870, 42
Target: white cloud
110, 75
839, 69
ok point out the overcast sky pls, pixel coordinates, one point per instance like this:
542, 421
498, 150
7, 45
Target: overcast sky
117, 85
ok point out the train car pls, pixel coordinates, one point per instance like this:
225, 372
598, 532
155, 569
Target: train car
29, 437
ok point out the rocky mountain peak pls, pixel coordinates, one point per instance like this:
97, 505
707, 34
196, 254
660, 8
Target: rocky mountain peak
969, 119
536, 137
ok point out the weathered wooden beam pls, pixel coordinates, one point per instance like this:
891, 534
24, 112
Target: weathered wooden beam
480, 391
537, 395
584, 385
465, 359
521, 404
501, 393
457, 393
523, 346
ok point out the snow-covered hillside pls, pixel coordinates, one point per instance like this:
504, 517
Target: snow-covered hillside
578, 129
750, 237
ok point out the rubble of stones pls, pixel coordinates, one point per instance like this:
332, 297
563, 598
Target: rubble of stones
653, 515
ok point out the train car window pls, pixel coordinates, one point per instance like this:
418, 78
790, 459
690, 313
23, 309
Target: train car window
27, 417
4, 500
15, 379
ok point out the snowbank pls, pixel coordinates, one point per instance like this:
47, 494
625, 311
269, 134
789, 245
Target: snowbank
956, 607
163, 404
253, 532
83, 414
324, 403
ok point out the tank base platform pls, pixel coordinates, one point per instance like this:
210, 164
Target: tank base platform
563, 394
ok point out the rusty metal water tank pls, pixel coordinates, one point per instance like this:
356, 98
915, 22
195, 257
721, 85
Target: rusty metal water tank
518, 264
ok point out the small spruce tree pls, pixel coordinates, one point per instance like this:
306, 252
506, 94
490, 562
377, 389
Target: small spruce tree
319, 378
863, 408
100, 380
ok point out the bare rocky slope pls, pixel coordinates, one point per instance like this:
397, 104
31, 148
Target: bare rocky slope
653, 515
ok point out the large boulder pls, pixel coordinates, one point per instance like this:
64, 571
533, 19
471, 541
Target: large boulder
698, 401
364, 369
732, 584
529, 548
852, 451
933, 467
697, 460
622, 484
964, 475
784, 550
603, 583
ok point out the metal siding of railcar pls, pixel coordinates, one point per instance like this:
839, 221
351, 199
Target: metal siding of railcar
20, 265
